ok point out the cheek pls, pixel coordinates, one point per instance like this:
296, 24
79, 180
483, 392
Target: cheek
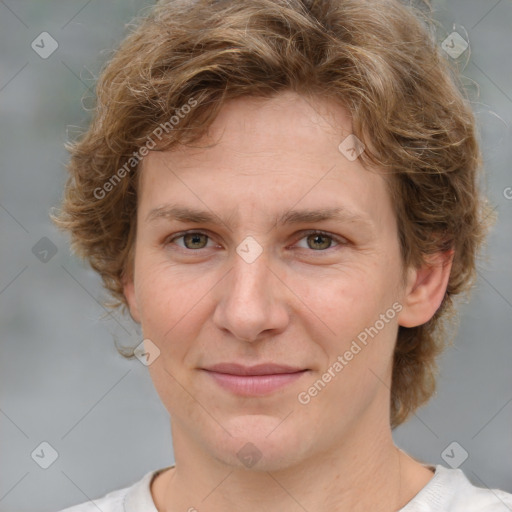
346, 300
174, 303
359, 353
169, 316
349, 309
160, 304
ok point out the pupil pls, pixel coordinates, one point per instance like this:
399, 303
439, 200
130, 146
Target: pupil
320, 237
195, 238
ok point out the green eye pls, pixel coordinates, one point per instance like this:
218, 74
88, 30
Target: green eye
192, 240
320, 240
196, 240
315, 240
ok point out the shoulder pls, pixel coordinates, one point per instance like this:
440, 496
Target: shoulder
450, 490
471, 497
132, 498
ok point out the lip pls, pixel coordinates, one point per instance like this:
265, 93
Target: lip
259, 369
256, 380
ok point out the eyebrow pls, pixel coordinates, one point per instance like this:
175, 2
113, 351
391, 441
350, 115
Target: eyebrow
304, 216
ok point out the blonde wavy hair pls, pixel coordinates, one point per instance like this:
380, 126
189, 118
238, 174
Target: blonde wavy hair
378, 58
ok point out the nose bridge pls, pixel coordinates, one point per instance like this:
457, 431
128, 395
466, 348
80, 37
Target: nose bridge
250, 266
250, 302
249, 278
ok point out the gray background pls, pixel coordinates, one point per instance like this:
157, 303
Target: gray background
62, 380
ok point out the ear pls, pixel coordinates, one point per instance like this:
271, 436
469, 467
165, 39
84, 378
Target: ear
131, 299
425, 289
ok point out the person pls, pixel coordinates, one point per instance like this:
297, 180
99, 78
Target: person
283, 194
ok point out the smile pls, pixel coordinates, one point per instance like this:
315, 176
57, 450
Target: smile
253, 381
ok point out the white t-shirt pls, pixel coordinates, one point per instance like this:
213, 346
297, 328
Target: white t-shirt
449, 490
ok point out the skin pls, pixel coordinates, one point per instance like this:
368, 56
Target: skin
300, 303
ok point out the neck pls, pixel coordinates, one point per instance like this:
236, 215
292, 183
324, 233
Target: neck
368, 472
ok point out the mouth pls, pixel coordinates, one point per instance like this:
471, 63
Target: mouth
256, 380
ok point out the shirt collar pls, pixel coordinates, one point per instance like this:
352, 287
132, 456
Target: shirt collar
138, 496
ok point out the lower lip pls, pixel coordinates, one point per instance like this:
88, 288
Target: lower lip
254, 385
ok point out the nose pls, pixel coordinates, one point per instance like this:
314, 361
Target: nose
253, 300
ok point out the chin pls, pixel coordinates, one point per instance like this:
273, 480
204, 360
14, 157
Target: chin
260, 443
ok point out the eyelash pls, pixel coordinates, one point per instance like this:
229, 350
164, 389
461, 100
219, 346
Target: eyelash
339, 240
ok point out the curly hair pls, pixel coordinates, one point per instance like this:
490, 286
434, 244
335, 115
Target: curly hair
378, 58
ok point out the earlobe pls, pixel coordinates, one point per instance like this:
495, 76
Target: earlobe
129, 293
425, 290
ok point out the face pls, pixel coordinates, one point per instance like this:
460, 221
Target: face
268, 248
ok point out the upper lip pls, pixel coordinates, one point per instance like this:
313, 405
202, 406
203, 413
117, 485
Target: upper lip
259, 369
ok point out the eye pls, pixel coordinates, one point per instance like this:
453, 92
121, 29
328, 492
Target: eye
316, 240
191, 240
320, 240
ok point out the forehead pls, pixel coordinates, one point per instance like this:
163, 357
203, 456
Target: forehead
287, 124
265, 156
